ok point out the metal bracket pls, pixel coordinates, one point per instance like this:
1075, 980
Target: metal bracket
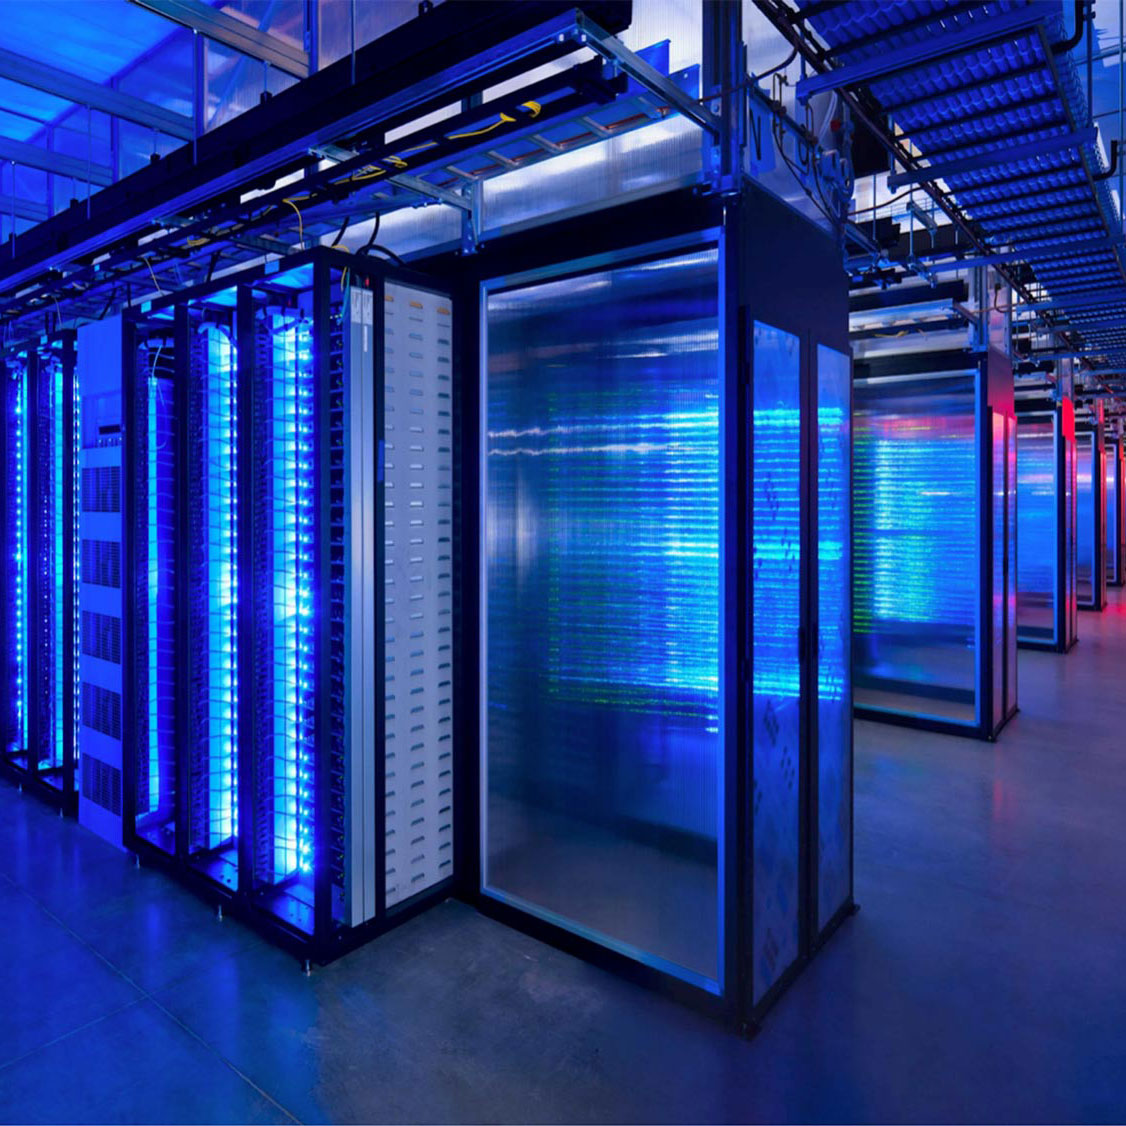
589, 34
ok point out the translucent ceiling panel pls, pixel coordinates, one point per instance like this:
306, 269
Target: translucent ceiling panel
601, 605
236, 83
1037, 529
917, 555
343, 22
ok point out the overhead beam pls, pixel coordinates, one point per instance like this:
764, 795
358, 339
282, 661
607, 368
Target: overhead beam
22, 209
1089, 302
33, 156
945, 169
63, 84
231, 32
884, 63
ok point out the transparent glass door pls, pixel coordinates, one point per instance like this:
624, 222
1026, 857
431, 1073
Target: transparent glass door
602, 758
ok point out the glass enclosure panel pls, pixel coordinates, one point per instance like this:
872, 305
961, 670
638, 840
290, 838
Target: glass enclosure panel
1086, 523
776, 597
1037, 529
156, 512
917, 554
1112, 511
602, 758
834, 631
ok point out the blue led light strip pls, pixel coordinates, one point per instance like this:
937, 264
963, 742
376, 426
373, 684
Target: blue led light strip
76, 563
19, 600
292, 549
222, 553
58, 460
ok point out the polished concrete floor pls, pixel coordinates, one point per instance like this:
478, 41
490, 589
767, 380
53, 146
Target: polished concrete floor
984, 979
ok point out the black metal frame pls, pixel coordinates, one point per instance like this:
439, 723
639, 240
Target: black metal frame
30, 775
327, 941
990, 398
628, 230
1064, 639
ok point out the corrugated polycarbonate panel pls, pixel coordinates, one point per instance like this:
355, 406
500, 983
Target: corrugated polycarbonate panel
834, 632
602, 756
917, 554
1085, 524
1038, 529
418, 589
776, 668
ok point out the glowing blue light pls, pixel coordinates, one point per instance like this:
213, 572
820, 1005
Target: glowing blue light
222, 572
291, 522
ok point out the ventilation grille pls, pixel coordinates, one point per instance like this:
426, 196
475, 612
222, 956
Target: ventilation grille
101, 562
101, 636
101, 784
101, 489
101, 709
418, 590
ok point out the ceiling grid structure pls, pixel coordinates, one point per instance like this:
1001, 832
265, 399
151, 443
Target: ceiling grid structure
989, 98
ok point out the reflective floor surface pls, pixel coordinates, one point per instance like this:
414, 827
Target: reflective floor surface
983, 980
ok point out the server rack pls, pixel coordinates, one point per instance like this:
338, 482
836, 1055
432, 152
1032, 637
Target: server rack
656, 476
1115, 511
935, 575
102, 606
38, 594
291, 547
1090, 494
1047, 607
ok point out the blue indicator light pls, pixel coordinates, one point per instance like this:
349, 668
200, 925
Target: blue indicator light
222, 584
290, 518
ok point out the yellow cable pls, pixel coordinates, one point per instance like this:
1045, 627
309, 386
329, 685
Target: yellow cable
300, 224
152, 273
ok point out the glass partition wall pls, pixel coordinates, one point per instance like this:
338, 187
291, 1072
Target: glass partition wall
611, 698
934, 575
1046, 526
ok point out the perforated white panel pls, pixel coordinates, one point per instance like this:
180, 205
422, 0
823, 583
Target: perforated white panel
418, 430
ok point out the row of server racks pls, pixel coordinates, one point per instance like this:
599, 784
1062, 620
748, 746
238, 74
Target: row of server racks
39, 608
288, 534
523, 577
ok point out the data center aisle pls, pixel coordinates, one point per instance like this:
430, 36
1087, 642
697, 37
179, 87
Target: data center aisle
984, 979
